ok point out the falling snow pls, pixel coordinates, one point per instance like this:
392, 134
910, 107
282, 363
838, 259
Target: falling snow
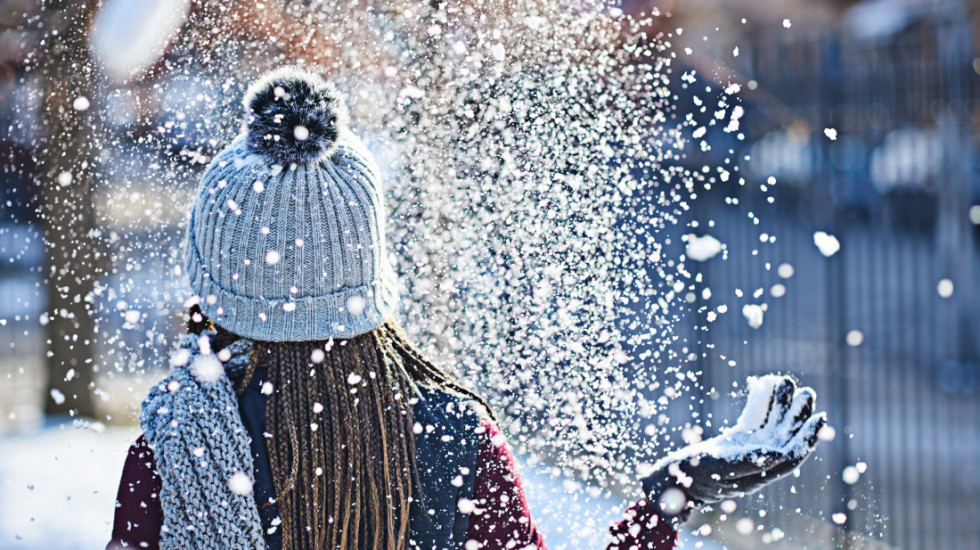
240, 484
702, 248
827, 244
543, 210
207, 369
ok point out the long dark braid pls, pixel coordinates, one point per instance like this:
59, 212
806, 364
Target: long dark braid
422, 370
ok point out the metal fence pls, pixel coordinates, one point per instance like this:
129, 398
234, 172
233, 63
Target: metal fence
887, 327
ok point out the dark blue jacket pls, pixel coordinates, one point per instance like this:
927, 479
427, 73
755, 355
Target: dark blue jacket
443, 453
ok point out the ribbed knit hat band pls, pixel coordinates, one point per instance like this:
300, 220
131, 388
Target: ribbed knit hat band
286, 239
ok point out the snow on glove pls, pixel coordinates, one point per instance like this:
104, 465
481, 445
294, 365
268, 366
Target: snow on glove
775, 433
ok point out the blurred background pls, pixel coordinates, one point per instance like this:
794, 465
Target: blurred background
832, 231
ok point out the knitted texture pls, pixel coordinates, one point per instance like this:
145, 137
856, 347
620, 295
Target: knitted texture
201, 447
291, 251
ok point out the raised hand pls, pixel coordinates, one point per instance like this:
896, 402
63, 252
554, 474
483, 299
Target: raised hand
775, 433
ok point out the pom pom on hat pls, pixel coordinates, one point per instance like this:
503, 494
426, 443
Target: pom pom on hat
294, 116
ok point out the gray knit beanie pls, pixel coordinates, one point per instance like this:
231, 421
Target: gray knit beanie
286, 240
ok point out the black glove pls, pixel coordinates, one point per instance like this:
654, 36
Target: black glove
775, 433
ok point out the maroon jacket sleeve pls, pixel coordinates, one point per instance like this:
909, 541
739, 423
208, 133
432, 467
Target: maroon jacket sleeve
139, 515
503, 520
642, 529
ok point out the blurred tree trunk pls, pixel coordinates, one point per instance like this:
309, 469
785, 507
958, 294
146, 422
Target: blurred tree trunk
66, 154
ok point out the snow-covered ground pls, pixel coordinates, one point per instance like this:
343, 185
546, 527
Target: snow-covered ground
58, 488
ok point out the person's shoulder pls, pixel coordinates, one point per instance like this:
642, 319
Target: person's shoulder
449, 402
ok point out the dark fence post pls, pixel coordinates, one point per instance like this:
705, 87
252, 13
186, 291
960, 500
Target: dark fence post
832, 82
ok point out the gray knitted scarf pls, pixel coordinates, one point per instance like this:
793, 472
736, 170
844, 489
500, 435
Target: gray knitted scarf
192, 424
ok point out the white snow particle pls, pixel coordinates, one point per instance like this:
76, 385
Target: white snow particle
850, 475
728, 506
289, 307
737, 113
353, 379
258, 186
65, 179
839, 518
535, 21
317, 356
672, 501
180, 358
207, 369
831, 133
466, 506
301, 133
787, 23
701, 249
317, 408
204, 344
198, 452
827, 433
356, 305
975, 214
945, 288
855, 338
692, 434
233, 206
59, 398
826, 243
272, 257
267, 388
498, 52
785, 270
744, 526
754, 314
81, 103
240, 484
412, 92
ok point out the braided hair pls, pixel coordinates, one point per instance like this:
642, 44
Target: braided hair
342, 449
